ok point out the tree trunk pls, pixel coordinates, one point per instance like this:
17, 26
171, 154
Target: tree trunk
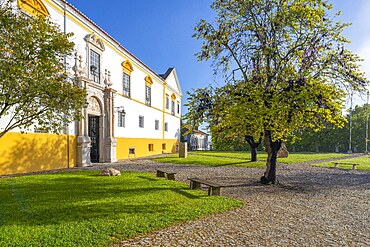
253, 154
272, 148
253, 145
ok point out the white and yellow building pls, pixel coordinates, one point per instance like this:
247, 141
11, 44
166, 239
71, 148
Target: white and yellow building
130, 110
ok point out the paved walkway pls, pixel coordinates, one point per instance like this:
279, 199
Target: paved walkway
312, 206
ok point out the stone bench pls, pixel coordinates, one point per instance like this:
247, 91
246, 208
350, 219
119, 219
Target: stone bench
166, 174
213, 188
348, 164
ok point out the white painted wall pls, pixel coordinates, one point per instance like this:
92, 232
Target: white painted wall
112, 58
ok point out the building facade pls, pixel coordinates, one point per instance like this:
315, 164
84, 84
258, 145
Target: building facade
196, 140
130, 110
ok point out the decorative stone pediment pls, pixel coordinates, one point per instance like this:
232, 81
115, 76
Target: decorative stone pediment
95, 40
173, 96
94, 107
148, 80
127, 66
34, 7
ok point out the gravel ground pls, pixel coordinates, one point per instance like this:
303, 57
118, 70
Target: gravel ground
312, 206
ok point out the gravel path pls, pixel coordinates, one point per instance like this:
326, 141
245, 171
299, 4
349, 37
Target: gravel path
312, 206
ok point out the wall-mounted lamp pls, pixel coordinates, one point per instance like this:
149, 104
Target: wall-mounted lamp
120, 109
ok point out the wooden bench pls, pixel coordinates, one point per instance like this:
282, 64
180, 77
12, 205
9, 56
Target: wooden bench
349, 164
166, 174
213, 188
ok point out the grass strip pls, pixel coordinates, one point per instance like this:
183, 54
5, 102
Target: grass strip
217, 158
363, 161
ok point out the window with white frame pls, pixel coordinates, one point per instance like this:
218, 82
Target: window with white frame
148, 95
94, 66
121, 119
156, 125
173, 107
167, 102
126, 85
178, 108
166, 127
141, 121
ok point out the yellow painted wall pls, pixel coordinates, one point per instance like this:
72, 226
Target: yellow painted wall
141, 147
21, 153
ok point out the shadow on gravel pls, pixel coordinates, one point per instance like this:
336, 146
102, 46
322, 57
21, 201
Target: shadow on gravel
316, 181
300, 182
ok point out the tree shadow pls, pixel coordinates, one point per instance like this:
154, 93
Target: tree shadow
316, 181
40, 200
22, 153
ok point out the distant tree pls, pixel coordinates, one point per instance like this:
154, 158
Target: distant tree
33, 82
287, 62
330, 139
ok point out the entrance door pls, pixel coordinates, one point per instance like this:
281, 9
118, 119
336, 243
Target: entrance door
94, 136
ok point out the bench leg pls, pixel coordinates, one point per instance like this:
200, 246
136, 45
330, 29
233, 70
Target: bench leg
171, 176
160, 174
194, 185
213, 191
335, 165
354, 167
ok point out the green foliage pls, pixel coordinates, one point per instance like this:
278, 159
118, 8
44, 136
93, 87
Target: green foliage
33, 82
329, 138
286, 65
83, 209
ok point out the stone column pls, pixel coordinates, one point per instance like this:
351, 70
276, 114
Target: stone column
110, 141
83, 139
183, 150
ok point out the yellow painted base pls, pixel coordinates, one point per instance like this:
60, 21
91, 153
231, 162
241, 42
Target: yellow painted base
21, 153
142, 147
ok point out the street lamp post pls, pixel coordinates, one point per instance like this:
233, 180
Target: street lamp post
367, 123
350, 126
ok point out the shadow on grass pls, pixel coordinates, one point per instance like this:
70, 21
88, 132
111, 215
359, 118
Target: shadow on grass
185, 192
72, 199
149, 179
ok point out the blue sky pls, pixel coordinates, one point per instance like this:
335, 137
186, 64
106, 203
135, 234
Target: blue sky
159, 33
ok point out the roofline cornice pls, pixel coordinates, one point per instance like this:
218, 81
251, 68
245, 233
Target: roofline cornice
108, 38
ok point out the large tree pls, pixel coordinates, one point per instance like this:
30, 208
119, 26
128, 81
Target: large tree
288, 64
212, 106
33, 79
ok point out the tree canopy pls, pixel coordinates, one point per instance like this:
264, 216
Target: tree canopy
286, 64
33, 81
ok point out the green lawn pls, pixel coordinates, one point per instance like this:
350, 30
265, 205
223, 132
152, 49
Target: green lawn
83, 209
210, 160
303, 157
363, 161
217, 158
